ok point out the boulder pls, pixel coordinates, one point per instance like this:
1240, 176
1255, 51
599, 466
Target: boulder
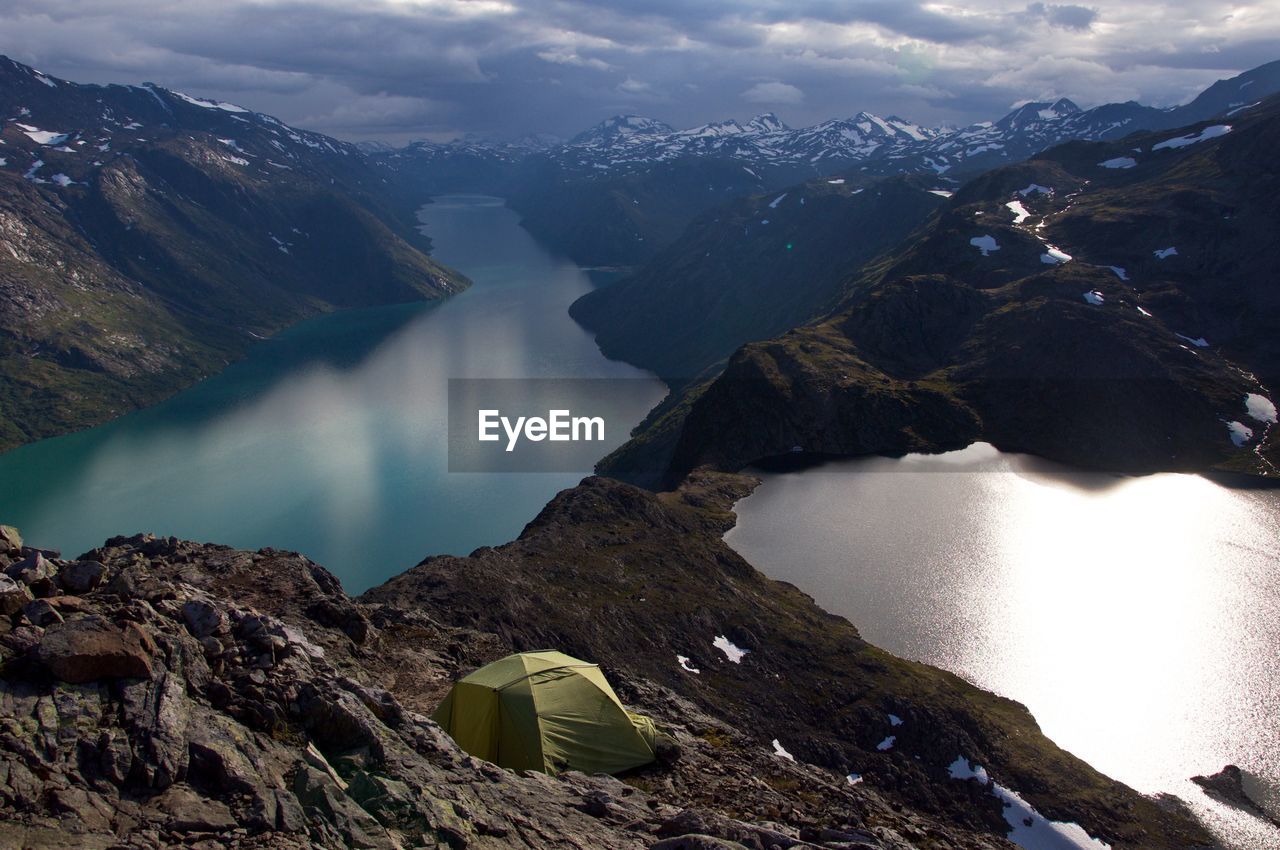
13, 596
204, 619
183, 810
93, 647
36, 572
696, 842
81, 576
41, 613
10, 540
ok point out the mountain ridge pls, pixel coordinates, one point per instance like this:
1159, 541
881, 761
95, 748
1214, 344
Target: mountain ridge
150, 237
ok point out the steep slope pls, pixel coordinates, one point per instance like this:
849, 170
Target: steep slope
749, 270
1107, 305
147, 238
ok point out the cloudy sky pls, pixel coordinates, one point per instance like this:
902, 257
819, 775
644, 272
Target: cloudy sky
402, 69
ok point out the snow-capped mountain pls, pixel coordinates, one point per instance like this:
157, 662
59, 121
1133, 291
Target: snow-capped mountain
626, 142
72, 130
629, 143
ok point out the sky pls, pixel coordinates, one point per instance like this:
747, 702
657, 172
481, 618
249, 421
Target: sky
397, 70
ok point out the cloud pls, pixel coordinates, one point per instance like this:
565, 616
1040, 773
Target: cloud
773, 92
1071, 17
401, 69
566, 56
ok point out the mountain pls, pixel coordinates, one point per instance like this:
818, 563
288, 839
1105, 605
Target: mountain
574, 195
1111, 305
148, 237
749, 270
159, 692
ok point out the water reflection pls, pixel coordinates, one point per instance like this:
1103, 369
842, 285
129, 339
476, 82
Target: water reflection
1138, 618
331, 438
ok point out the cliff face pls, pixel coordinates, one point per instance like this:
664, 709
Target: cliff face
157, 692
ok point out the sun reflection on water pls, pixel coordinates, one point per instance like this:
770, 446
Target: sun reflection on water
1138, 618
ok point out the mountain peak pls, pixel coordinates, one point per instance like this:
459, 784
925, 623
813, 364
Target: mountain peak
620, 126
768, 123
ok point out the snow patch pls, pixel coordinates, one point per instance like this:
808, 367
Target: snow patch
207, 104
887, 743
1144, 312
781, 752
773, 205
1260, 408
962, 768
42, 137
1198, 342
1027, 827
1020, 213
854, 778
62, 180
1239, 432
839, 181
731, 651
941, 193
1032, 831
1094, 297
1034, 188
1165, 252
1053, 256
895, 720
985, 244
1182, 141
1120, 273
1119, 162
683, 661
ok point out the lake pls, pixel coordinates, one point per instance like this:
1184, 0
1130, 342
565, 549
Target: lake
1138, 618
330, 438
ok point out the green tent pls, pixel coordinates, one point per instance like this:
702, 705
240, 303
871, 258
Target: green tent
545, 711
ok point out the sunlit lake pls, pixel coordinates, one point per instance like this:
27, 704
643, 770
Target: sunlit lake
1138, 618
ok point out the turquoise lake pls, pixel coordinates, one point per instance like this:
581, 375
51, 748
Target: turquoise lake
330, 438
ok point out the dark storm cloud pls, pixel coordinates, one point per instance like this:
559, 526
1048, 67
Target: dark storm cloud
400, 69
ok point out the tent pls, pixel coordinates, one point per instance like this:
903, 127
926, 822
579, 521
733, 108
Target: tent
545, 711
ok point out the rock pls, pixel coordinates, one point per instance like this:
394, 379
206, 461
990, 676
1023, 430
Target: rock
67, 604
204, 619
10, 540
81, 576
13, 596
92, 647
23, 639
1228, 785
36, 572
344, 616
41, 613
322, 798
183, 810
696, 842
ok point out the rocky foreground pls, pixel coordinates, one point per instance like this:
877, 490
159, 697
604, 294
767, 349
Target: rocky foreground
158, 692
